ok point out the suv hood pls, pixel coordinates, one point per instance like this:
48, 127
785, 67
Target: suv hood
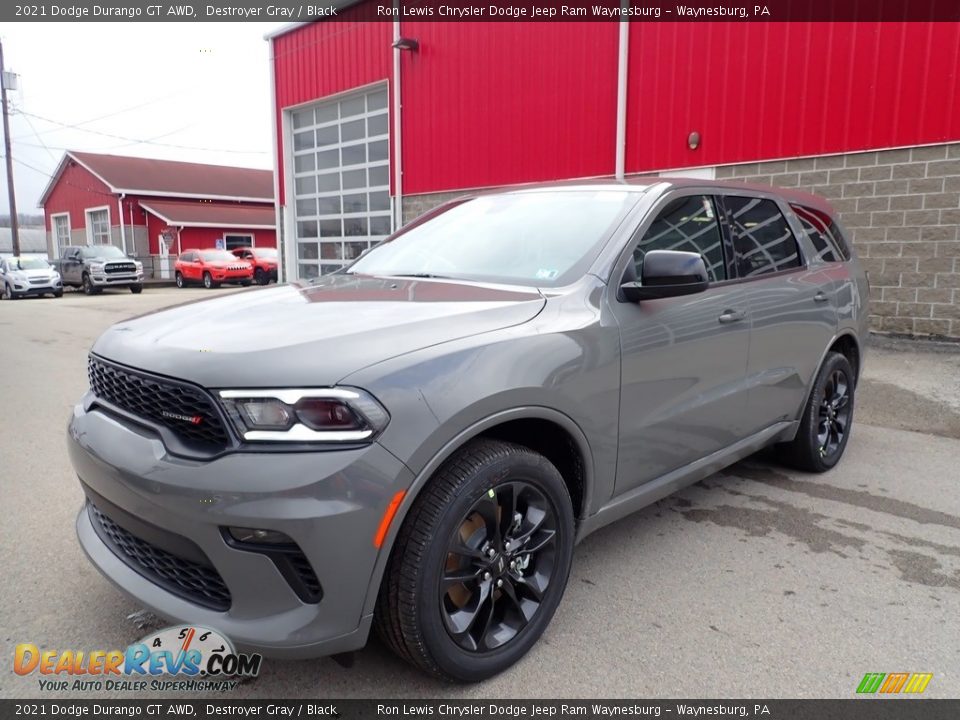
311, 335
33, 274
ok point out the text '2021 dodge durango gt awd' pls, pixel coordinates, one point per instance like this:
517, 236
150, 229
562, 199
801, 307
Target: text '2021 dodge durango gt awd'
417, 441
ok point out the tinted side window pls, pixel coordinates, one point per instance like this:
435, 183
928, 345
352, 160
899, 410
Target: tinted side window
816, 226
761, 236
688, 224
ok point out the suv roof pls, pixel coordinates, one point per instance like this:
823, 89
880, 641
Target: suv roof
663, 184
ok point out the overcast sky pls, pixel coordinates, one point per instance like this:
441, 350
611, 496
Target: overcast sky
180, 91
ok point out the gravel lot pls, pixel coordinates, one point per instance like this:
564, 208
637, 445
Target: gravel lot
755, 582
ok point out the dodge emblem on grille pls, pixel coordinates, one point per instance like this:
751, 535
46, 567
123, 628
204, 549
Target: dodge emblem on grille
192, 419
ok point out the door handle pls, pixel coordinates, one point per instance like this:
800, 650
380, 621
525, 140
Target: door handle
731, 316
820, 297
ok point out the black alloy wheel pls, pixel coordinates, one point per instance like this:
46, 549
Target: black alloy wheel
500, 561
827, 418
479, 564
834, 414
261, 277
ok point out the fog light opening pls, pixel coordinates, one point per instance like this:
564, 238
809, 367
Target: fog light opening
259, 536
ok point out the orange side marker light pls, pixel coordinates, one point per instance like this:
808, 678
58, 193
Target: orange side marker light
387, 518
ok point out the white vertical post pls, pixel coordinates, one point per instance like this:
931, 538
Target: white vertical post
621, 151
397, 129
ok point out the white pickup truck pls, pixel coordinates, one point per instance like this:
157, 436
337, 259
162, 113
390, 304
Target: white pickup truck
95, 267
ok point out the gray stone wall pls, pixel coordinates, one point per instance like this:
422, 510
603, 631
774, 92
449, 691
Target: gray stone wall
416, 205
902, 210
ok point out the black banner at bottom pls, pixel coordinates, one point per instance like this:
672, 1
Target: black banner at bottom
872, 708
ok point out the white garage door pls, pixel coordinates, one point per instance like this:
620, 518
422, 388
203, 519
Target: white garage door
341, 178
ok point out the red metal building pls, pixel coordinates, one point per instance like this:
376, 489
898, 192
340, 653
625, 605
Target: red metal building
154, 209
484, 104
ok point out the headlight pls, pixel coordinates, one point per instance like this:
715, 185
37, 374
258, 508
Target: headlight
96, 267
322, 415
139, 265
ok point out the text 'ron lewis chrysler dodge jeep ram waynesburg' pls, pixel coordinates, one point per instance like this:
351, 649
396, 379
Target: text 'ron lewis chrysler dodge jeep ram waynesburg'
417, 441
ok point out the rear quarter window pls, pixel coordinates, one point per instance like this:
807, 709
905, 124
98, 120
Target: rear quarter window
824, 234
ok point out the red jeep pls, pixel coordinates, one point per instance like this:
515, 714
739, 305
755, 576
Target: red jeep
264, 261
211, 267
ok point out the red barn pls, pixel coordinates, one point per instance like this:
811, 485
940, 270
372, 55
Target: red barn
154, 209
377, 121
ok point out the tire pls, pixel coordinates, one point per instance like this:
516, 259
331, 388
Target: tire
9, 294
136, 289
181, 283
413, 615
827, 419
58, 294
88, 287
261, 277
208, 282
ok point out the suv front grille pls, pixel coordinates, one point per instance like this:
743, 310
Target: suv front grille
186, 410
197, 583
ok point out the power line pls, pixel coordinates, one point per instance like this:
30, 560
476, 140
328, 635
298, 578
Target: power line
136, 141
65, 182
42, 143
108, 115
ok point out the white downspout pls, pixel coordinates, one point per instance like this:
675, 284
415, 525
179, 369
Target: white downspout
123, 229
278, 229
621, 154
397, 128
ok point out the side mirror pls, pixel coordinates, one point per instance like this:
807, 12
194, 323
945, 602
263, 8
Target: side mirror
668, 273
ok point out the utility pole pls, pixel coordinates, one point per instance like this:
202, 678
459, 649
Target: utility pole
14, 220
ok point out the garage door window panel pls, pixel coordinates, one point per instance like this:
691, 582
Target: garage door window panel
347, 194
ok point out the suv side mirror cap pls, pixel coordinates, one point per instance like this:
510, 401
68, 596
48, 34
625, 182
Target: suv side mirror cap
668, 273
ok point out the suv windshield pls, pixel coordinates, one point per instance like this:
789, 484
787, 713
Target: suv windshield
217, 256
542, 238
102, 251
266, 253
29, 263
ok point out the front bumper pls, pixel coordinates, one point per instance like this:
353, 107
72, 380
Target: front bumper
38, 289
118, 279
232, 276
330, 503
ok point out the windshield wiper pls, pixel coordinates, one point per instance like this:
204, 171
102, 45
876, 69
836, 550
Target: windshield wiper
421, 275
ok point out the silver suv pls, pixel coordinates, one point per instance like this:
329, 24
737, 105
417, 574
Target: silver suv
417, 442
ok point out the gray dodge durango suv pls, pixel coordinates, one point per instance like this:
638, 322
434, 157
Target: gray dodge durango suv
416, 442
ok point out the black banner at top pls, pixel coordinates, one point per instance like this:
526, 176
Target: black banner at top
487, 11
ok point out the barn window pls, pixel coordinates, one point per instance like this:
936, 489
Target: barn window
98, 226
341, 179
61, 231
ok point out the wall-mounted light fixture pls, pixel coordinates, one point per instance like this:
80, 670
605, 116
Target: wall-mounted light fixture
406, 44
693, 140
